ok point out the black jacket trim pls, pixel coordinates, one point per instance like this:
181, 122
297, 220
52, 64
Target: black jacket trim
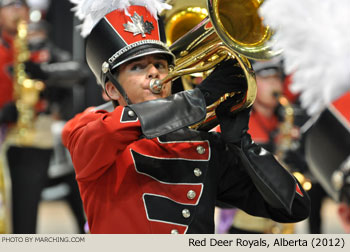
163, 209
176, 171
127, 116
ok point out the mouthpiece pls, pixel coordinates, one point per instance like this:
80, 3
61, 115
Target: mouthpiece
155, 85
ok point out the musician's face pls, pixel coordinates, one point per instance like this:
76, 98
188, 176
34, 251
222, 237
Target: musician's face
135, 77
266, 87
10, 15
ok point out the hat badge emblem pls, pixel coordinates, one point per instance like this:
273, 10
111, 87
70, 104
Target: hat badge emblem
138, 26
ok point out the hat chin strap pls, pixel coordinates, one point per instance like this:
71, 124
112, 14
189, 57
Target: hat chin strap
119, 87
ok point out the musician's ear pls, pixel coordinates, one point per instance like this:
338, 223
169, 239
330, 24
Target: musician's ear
112, 91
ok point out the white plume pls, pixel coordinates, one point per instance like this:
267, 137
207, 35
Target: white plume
91, 11
315, 38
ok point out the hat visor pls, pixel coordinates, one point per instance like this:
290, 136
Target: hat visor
144, 51
268, 72
13, 2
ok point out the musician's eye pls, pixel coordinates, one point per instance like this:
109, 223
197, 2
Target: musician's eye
158, 65
161, 65
137, 67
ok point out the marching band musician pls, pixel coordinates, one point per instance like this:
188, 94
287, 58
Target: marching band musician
26, 180
264, 119
28, 164
60, 73
140, 169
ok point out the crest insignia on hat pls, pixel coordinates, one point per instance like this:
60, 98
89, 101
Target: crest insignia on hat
138, 26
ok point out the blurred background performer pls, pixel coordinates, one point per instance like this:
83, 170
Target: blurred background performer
10, 14
28, 155
61, 74
315, 41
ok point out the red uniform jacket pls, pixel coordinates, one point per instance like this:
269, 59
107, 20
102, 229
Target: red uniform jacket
168, 184
260, 127
6, 61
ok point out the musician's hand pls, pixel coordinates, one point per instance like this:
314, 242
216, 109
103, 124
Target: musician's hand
233, 125
8, 113
226, 78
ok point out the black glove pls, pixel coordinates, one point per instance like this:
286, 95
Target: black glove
227, 77
9, 113
34, 71
233, 125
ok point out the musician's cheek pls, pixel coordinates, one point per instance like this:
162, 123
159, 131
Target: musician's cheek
166, 89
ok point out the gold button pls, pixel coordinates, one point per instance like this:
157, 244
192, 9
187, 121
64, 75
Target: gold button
131, 113
191, 194
200, 149
174, 231
186, 213
197, 172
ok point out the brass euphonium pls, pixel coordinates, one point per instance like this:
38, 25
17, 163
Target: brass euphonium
232, 29
180, 19
183, 17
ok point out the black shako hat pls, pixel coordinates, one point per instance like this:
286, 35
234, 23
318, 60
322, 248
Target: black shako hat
119, 37
267, 68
